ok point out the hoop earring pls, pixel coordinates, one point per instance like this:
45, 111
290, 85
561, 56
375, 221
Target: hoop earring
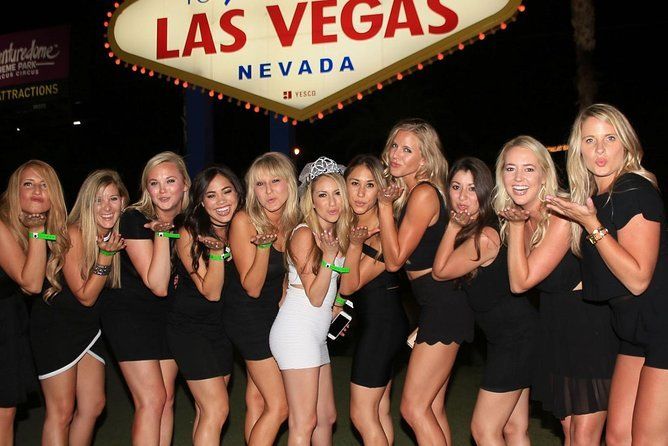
542, 193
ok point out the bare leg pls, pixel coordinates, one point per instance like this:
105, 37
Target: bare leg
586, 430
301, 389
566, 429
59, 395
254, 406
364, 412
491, 414
385, 414
90, 400
7, 415
144, 378
650, 418
169, 370
516, 430
267, 380
429, 368
326, 409
438, 407
623, 392
212, 400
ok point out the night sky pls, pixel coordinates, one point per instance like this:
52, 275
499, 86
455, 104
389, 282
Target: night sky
517, 81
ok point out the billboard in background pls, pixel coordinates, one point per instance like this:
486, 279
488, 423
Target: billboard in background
32, 64
295, 57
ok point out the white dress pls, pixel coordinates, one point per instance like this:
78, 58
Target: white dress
298, 337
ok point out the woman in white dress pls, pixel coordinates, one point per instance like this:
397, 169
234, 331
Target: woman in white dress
298, 337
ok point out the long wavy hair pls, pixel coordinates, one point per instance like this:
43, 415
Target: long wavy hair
83, 217
435, 167
374, 165
273, 164
196, 220
581, 180
56, 220
484, 187
502, 199
145, 204
310, 218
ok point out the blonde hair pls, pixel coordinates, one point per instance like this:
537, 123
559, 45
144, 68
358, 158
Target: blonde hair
278, 165
581, 180
83, 217
145, 205
502, 200
342, 227
10, 211
435, 166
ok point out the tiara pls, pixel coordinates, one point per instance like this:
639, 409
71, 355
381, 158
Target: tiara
319, 167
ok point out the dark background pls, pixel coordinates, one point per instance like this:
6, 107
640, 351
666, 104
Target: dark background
518, 81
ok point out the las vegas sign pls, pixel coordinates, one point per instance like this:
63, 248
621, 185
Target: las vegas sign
296, 58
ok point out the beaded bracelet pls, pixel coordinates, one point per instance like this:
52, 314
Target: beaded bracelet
338, 269
101, 270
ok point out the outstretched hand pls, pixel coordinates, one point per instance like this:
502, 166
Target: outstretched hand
114, 243
514, 215
390, 193
460, 219
32, 221
212, 243
583, 214
159, 226
263, 239
328, 244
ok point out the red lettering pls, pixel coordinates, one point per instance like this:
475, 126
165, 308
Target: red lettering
227, 26
199, 23
412, 19
450, 17
161, 51
319, 20
375, 20
286, 34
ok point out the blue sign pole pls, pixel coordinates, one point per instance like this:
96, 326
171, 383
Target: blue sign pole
199, 131
281, 136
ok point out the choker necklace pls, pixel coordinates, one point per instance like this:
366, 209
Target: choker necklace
224, 225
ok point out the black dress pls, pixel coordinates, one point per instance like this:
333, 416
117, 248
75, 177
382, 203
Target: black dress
248, 320
578, 346
17, 374
133, 318
195, 331
445, 316
641, 322
510, 325
383, 328
62, 331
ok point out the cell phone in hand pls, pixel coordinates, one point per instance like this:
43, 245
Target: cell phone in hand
339, 323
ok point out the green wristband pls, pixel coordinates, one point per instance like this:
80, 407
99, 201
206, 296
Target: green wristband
338, 269
43, 236
104, 252
221, 257
265, 245
168, 234
339, 301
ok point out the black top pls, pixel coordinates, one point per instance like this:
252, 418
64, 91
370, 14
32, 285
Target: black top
490, 285
189, 305
272, 289
385, 279
564, 277
7, 286
631, 195
425, 251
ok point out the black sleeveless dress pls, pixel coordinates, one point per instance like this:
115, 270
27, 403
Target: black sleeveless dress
195, 331
578, 346
510, 325
248, 320
62, 331
17, 374
445, 316
134, 319
641, 322
383, 327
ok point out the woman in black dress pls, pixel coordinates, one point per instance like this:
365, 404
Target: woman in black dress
65, 326
195, 332
624, 262
471, 251
382, 321
257, 239
135, 318
415, 160
31, 209
573, 377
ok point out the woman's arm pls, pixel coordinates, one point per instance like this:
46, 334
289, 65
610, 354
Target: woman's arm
26, 269
315, 285
152, 258
362, 269
526, 270
451, 263
632, 256
398, 244
87, 290
250, 260
208, 280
